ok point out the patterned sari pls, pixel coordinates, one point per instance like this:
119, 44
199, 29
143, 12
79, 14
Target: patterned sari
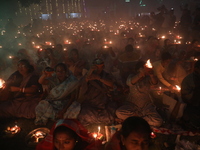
56, 100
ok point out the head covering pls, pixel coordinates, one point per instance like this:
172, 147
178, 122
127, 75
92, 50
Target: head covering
98, 61
73, 124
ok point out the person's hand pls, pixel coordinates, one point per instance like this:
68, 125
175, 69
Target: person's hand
141, 72
93, 77
47, 73
149, 71
14, 89
172, 88
94, 67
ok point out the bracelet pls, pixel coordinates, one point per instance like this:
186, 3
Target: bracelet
23, 90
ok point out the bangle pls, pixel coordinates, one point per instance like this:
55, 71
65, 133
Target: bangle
23, 90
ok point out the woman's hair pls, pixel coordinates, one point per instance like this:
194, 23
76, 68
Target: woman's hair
139, 64
166, 56
66, 130
74, 50
27, 64
129, 48
63, 66
165, 41
71, 134
135, 124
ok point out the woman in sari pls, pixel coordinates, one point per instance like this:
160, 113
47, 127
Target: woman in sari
58, 102
23, 92
69, 134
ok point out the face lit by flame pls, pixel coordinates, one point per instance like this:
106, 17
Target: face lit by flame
148, 64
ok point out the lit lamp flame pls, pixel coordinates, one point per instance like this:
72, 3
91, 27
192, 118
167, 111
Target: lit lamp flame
105, 46
153, 135
39, 135
94, 135
2, 82
163, 37
37, 46
178, 88
148, 64
13, 130
10, 57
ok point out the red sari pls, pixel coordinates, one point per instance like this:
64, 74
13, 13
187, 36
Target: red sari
73, 124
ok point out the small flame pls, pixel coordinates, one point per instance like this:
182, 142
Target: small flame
105, 46
2, 82
148, 64
163, 37
178, 87
38, 133
99, 128
95, 135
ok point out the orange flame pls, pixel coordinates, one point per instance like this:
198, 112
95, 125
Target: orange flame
148, 64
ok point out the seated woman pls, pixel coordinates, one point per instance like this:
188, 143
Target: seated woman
60, 86
96, 104
68, 135
76, 65
135, 134
23, 92
139, 101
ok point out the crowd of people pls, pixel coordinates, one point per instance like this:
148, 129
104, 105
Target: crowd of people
97, 72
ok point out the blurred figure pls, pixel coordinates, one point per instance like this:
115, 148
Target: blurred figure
159, 68
127, 61
190, 93
96, 104
135, 134
11, 28
139, 101
185, 24
169, 47
23, 94
76, 65
60, 86
192, 49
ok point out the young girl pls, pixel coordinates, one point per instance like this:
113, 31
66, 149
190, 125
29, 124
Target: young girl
68, 135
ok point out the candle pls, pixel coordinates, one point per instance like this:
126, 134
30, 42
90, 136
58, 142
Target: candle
160, 90
99, 128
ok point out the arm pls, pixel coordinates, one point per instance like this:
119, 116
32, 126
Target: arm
43, 78
158, 72
107, 82
27, 90
137, 77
